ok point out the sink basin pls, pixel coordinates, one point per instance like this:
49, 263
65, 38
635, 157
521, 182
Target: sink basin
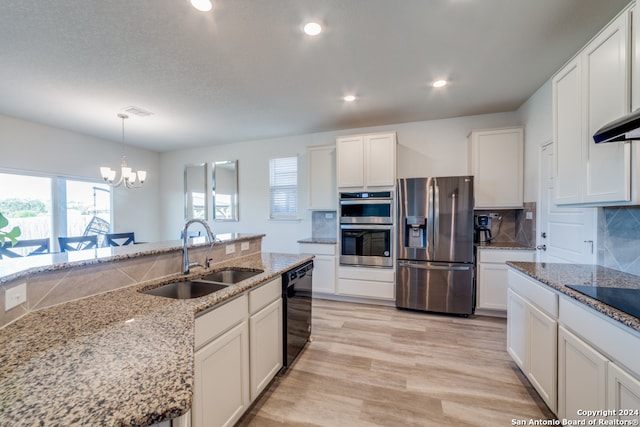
230, 275
186, 289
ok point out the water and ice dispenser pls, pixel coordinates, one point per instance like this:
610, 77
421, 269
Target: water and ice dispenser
415, 232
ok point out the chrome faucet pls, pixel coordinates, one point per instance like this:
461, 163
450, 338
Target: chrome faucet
185, 240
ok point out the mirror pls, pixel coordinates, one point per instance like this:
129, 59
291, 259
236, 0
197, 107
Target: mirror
225, 190
195, 190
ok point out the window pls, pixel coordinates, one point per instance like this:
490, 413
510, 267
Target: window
283, 185
45, 207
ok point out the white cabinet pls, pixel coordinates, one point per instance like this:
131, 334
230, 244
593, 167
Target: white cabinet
590, 91
221, 365
532, 334
324, 267
322, 177
265, 332
581, 376
366, 160
623, 392
367, 282
497, 165
492, 281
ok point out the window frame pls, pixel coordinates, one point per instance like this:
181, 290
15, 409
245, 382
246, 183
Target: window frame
290, 212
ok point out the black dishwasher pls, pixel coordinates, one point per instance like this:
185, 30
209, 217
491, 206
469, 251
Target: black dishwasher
296, 296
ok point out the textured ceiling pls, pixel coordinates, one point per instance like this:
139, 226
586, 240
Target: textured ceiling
245, 71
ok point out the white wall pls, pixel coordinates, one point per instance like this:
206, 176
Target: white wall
536, 114
428, 148
32, 147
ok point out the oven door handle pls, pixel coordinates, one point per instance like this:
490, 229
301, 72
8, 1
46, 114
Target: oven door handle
435, 266
366, 202
366, 227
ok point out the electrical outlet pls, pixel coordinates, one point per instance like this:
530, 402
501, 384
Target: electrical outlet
328, 215
494, 215
230, 249
528, 215
244, 246
14, 296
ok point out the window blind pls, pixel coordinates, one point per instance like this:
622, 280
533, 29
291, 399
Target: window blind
283, 184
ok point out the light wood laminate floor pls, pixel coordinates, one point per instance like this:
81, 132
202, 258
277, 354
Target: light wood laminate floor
379, 366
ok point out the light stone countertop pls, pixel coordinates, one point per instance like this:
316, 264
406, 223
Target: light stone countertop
114, 359
504, 245
557, 276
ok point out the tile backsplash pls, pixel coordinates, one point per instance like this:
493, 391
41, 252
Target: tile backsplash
324, 224
619, 238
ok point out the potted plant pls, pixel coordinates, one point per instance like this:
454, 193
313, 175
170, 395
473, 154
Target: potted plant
11, 235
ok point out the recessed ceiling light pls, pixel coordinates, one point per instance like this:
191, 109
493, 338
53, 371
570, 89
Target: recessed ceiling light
202, 5
312, 28
349, 98
439, 83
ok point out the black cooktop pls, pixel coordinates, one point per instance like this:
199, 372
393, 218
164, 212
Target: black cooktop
624, 299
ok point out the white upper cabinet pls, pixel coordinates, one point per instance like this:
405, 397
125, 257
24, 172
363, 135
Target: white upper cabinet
497, 166
322, 177
590, 91
366, 160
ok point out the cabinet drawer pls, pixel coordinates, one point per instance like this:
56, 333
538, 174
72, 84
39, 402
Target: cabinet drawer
504, 255
213, 323
265, 294
536, 293
620, 343
365, 273
317, 249
367, 289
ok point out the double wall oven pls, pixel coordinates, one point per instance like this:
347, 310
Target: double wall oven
366, 228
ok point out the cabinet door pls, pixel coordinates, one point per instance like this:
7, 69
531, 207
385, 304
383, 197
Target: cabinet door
350, 161
568, 135
265, 330
498, 167
582, 375
380, 160
492, 286
322, 177
517, 328
542, 360
324, 274
608, 166
623, 393
221, 383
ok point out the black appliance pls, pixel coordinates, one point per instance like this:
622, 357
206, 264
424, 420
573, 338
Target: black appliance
623, 129
483, 229
366, 208
435, 246
296, 297
624, 299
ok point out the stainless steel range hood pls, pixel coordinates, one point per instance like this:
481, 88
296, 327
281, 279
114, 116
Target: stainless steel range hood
623, 129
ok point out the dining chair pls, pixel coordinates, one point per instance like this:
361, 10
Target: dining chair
77, 243
40, 246
121, 239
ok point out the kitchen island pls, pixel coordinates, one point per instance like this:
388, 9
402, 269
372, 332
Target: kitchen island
116, 358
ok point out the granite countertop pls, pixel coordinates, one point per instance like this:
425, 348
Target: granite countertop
15, 268
118, 358
504, 245
557, 276
320, 240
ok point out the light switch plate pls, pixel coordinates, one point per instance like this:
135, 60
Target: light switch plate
230, 249
244, 246
15, 296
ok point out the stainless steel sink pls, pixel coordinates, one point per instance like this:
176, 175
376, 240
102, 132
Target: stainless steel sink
186, 289
230, 275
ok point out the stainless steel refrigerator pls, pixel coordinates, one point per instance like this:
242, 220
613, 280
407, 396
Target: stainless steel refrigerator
435, 245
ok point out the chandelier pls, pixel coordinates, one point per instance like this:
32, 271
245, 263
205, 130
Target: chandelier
127, 176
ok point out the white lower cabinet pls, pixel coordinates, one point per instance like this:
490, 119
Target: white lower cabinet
623, 392
582, 373
265, 331
492, 282
238, 352
324, 267
367, 282
532, 335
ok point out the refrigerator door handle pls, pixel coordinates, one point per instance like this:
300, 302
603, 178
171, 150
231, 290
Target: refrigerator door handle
429, 230
436, 217
435, 266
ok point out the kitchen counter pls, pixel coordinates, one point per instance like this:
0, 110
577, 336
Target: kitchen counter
118, 358
504, 245
320, 240
557, 276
